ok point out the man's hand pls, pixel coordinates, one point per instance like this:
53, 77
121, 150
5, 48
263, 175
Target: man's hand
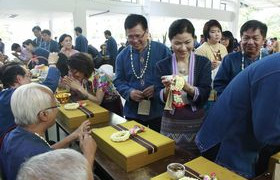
53, 58
84, 128
149, 91
136, 95
88, 147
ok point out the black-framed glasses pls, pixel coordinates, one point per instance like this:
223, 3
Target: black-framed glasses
137, 36
52, 107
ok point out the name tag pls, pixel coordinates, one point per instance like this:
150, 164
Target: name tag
144, 107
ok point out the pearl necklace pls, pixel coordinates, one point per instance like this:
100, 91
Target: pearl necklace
42, 139
243, 60
146, 64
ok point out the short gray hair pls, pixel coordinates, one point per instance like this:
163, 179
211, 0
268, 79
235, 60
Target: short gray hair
28, 100
63, 164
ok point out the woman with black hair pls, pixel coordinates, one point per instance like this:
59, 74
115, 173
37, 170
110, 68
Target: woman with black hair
182, 121
66, 47
88, 83
228, 41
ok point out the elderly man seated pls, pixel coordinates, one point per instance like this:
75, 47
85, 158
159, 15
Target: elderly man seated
34, 108
63, 164
13, 75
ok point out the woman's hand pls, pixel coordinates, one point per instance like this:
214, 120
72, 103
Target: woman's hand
166, 82
53, 58
188, 88
215, 64
72, 83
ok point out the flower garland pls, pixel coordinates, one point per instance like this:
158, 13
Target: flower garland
146, 64
124, 135
176, 87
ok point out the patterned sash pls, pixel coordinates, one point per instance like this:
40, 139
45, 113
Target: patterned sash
88, 113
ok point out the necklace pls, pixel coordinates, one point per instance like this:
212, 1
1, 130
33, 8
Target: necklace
146, 64
42, 139
217, 54
183, 66
243, 60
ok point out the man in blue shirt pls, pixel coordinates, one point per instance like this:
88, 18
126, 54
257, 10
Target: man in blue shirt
34, 108
135, 78
81, 43
37, 33
13, 76
40, 55
245, 118
112, 47
253, 34
48, 43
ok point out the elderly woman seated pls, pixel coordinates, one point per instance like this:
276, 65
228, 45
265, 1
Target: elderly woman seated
87, 83
50, 164
34, 108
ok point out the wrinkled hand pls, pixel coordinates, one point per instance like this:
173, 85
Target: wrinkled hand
136, 95
83, 128
88, 145
215, 64
53, 58
149, 91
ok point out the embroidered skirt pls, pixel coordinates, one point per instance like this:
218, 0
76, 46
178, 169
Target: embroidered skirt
182, 127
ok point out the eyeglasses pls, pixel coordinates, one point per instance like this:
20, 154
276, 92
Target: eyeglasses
136, 37
247, 38
52, 107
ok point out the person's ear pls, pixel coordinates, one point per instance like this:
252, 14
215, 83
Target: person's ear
19, 79
43, 116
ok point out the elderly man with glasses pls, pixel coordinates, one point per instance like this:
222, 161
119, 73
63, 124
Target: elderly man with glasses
35, 109
135, 73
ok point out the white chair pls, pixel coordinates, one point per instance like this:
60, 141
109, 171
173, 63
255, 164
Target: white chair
108, 69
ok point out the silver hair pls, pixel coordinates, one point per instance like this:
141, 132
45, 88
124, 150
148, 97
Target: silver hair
63, 164
28, 100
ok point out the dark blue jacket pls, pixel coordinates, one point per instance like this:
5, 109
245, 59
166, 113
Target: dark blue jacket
81, 44
245, 118
125, 81
6, 116
18, 146
230, 67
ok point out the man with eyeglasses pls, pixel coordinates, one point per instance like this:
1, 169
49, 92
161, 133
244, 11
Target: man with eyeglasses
135, 78
35, 109
13, 75
253, 34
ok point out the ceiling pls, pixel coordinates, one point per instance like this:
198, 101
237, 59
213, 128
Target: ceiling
17, 14
262, 4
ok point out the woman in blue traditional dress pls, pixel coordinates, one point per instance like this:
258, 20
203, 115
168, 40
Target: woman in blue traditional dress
181, 121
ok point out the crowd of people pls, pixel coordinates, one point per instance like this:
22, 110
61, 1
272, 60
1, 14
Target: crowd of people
214, 98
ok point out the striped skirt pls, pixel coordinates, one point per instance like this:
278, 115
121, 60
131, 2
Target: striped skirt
182, 127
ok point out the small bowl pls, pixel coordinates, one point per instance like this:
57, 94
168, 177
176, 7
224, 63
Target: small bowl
176, 171
63, 97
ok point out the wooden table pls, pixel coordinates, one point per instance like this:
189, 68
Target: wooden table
106, 169
265, 176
